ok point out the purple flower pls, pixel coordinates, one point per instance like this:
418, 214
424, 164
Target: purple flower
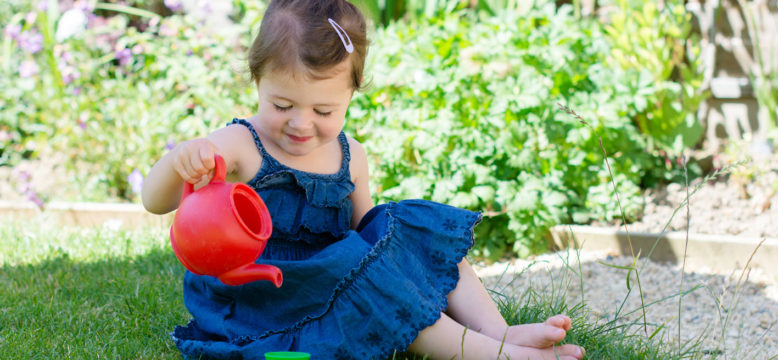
30, 17
205, 6
76, 92
43, 5
170, 145
25, 188
22, 175
83, 6
31, 41
174, 5
124, 56
33, 196
28, 68
83, 117
68, 73
136, 181
67, 56
167, 29
12, 30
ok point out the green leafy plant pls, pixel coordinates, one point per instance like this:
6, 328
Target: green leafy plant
653, 45
463, 111
114, 96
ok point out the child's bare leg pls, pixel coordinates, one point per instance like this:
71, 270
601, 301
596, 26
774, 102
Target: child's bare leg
448, 339
471, 305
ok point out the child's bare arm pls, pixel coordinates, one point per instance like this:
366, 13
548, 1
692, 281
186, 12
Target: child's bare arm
360, 198
190, 161
193, 161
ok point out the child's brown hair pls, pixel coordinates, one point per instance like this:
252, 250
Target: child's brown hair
297, 35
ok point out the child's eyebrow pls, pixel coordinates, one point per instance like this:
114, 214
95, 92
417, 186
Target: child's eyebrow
279, 97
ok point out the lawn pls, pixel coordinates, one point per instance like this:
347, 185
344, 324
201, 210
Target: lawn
86, 293
82, 293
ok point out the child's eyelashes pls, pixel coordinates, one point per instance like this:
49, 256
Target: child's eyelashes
287, 108
282, 108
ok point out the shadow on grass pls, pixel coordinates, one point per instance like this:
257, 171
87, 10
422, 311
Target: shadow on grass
124, 307
112, 308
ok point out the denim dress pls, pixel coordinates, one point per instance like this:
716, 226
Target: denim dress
346, 294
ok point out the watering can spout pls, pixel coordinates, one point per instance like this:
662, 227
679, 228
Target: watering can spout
252, 272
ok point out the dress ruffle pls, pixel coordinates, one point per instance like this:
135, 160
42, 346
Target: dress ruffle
323, 208
321, 203
390, 281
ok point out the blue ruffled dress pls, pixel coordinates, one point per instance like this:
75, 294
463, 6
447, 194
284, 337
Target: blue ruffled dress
346, 294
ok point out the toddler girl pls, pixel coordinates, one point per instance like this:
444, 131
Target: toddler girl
360, 282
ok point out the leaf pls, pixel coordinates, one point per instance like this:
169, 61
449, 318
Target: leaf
526, 199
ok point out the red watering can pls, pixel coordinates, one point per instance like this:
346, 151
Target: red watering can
221, 229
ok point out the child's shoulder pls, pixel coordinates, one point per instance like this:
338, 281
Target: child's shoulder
233, 138
358, 164
238, 148
356, 149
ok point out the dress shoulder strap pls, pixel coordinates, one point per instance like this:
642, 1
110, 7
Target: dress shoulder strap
254, 134
344, 148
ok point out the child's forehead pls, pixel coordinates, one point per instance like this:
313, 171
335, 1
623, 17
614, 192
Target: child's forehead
300, 72
326, 88
302, 75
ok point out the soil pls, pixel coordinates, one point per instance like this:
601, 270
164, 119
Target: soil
741, 202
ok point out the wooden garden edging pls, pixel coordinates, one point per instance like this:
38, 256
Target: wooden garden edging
719, 253
119, 215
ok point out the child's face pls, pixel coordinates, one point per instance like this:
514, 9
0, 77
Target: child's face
300, 114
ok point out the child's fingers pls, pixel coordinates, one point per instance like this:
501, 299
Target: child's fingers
185, 171
195, 168
189, 166
206, 157
194, 160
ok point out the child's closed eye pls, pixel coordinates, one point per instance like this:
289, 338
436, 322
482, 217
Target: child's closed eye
323, 113
282, 108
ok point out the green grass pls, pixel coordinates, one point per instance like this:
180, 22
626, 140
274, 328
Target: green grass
90, 293
87, 293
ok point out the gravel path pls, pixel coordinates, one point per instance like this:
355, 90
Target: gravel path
735, 322
750, 331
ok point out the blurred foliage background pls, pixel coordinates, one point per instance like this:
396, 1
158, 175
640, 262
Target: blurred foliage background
463, 107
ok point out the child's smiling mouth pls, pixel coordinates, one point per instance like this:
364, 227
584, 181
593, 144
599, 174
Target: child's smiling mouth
299, 139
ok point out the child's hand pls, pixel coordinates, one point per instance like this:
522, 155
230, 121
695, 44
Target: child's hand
193, 159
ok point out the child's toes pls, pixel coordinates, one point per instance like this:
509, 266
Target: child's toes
535, 335
570, 350
561, 321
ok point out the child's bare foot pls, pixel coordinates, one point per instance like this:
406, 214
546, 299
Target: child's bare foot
564, 352
539, 335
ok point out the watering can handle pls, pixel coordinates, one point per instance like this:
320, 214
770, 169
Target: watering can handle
219, 174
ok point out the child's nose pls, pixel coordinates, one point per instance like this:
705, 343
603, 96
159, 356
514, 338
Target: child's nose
302, 121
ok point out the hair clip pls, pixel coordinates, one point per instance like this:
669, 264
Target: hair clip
343, 35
